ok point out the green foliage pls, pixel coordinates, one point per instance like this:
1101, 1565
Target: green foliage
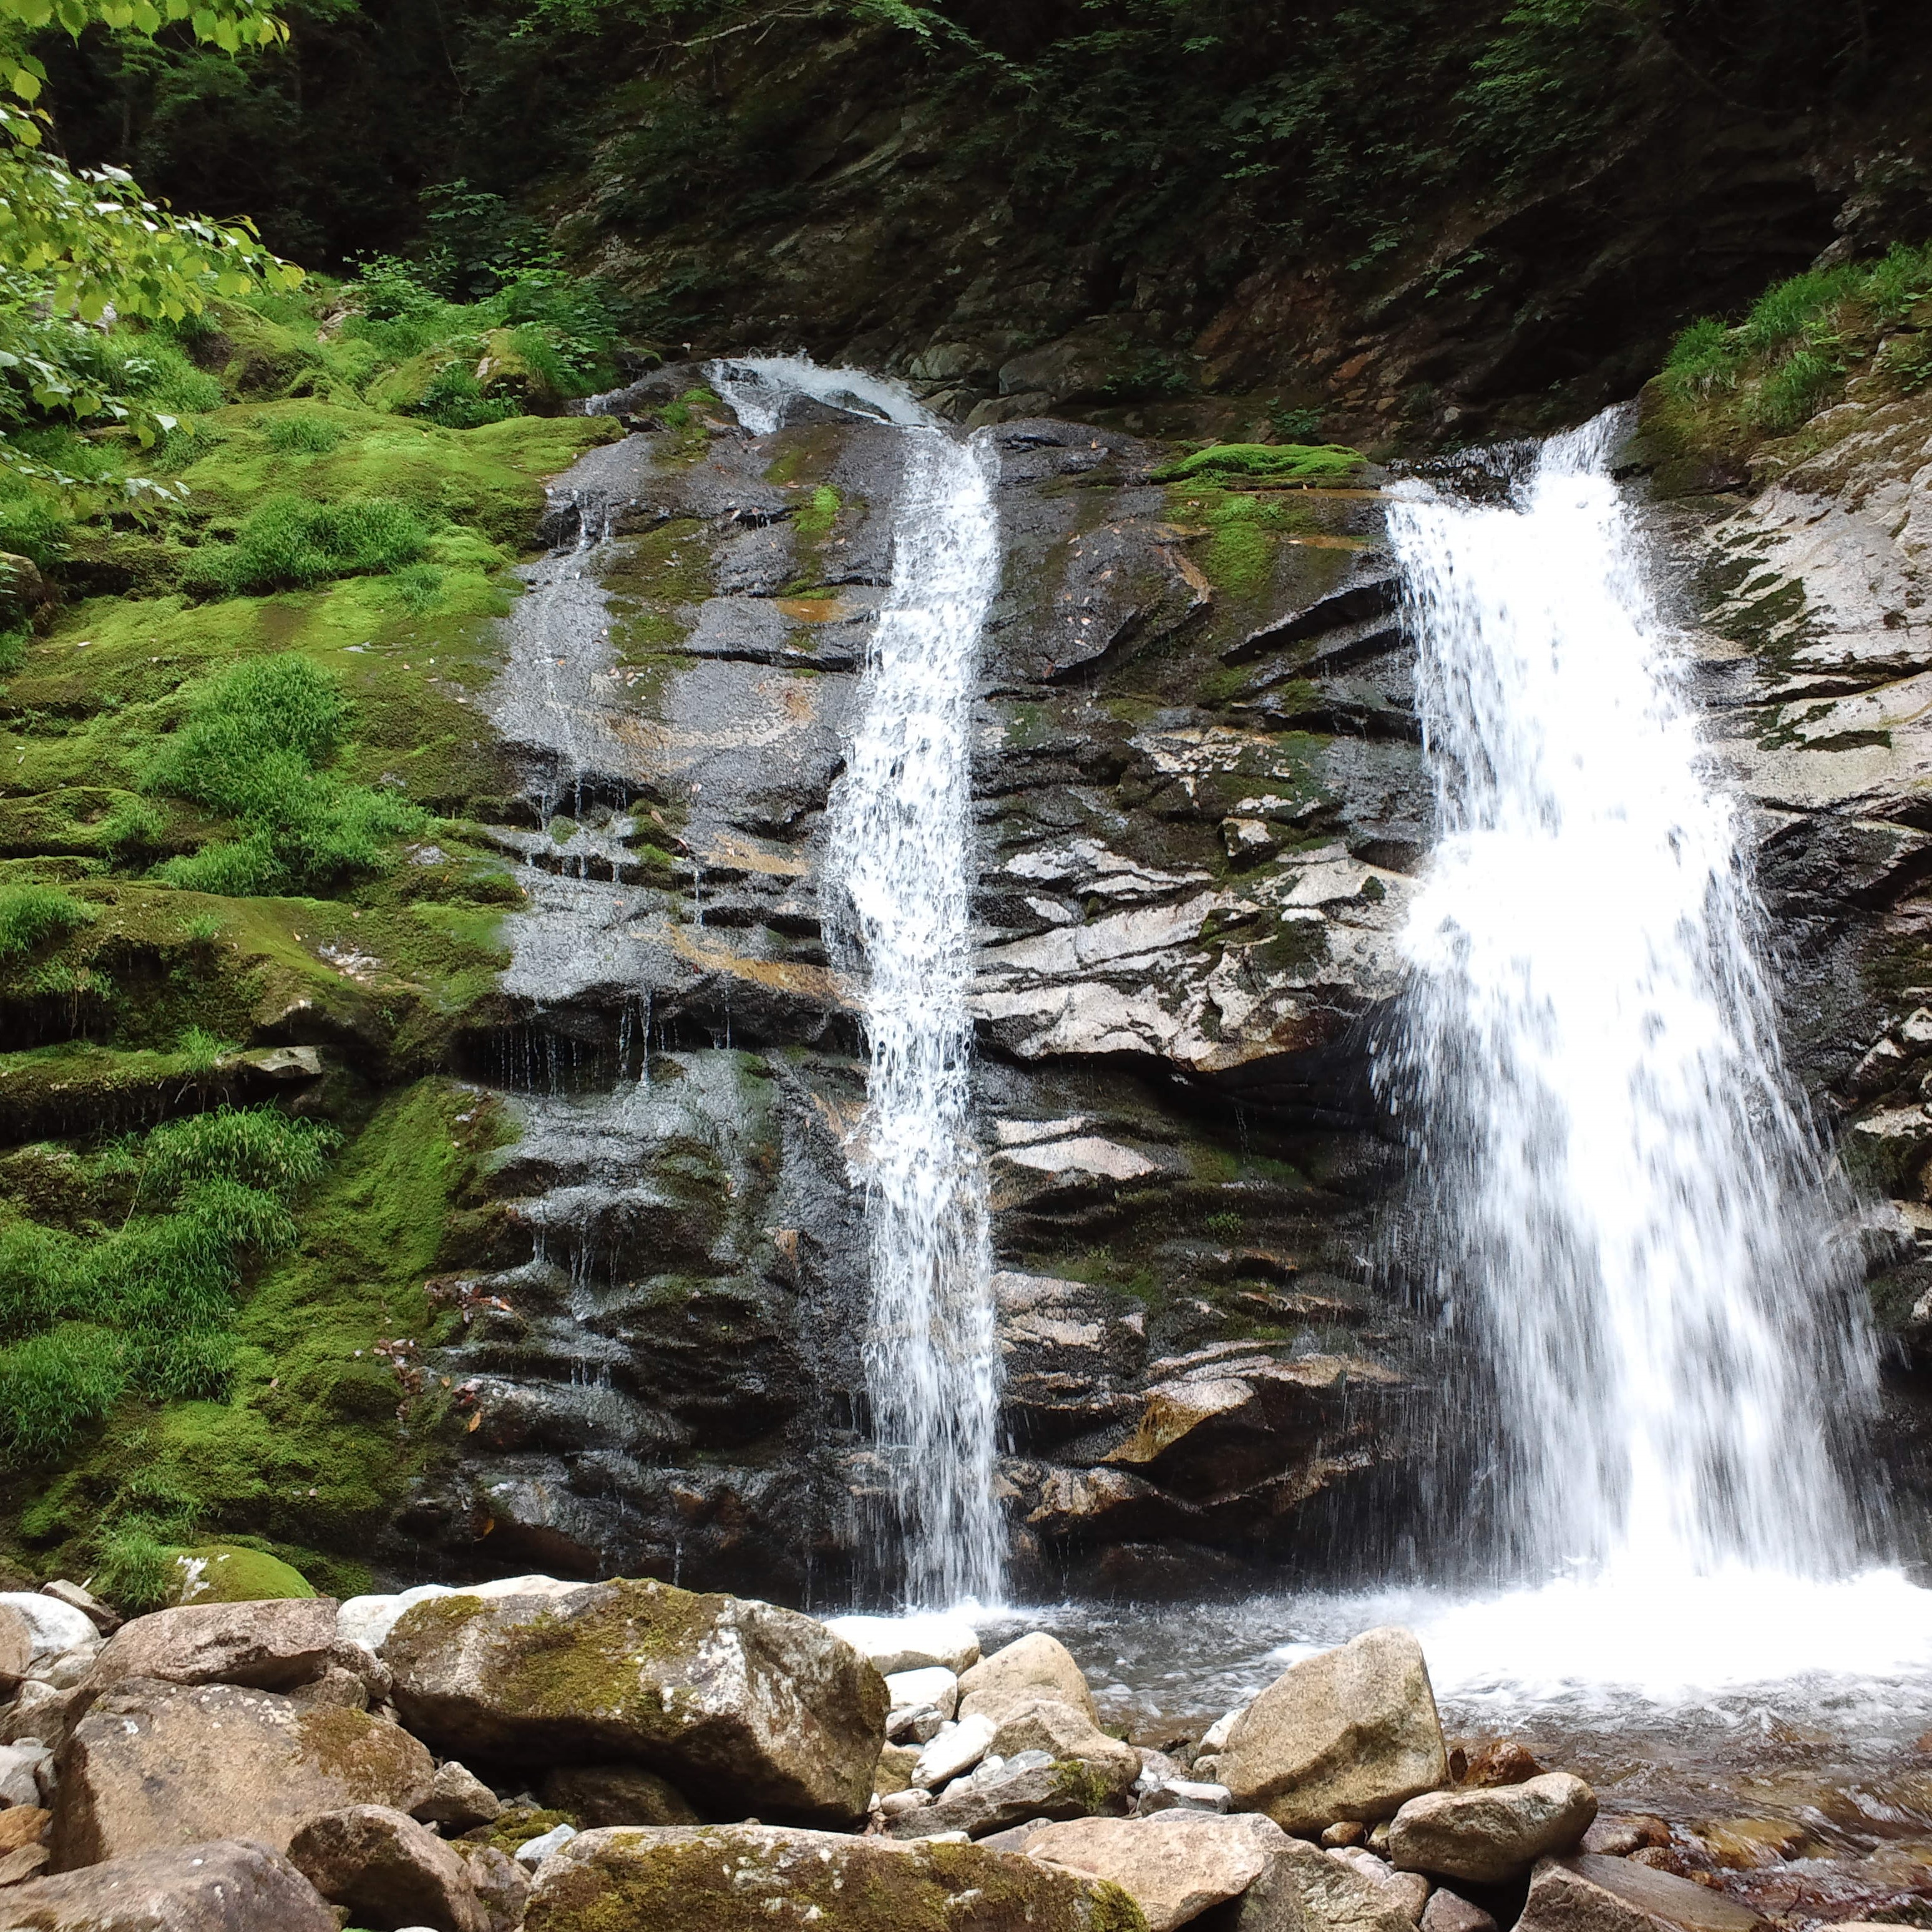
53, 1385
290, 541
148, 1304
254, 746
30, 915
1269, 464
310, 435
1768, 375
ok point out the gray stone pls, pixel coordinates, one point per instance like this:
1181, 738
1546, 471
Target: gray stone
39, 1710
387, 1870
226, 1885
1174, 1866
17, 1646
272, 1645
1588, 1894
155, 1765
1031, 1668
745, 1706
1024, 1789
532, 1852
1449, 1911
1305, 1889
895, 1645
57, 1629
458, 1800
1350, 1733
1488, 1836
103, 1617
725, 1876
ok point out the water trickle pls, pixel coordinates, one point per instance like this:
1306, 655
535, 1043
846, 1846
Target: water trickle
1628, 1210
899, 873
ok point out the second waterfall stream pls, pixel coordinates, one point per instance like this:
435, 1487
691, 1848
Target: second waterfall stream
1625, 1207
899, 880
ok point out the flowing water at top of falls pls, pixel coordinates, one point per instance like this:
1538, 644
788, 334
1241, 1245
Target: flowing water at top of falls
899, 880
1628, 1211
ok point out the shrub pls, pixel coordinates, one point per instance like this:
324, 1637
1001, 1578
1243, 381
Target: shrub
256, 1146
53, 1385
31, 914
1276, 463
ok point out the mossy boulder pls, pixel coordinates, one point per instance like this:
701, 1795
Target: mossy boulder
746, 1707
220, 1572
746, 1878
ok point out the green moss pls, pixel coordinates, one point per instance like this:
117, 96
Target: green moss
220, 1572
1275, 465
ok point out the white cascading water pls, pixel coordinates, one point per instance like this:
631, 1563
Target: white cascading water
899, 879
1628, 1209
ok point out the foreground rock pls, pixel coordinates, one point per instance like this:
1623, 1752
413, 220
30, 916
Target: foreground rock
1028, 1787
1303, 1889
154, 1765
229, 1885
750, 1878
1489, 1836
745, 1706
1350, 1734
1173, 1865
1588, 1894
267, 1646
1031, 1670
387, 1870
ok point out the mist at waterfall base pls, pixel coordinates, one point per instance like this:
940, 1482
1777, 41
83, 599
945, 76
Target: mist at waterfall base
1620, 1206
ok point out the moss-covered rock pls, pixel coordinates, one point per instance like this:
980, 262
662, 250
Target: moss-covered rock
746, 1878
219, 1573
746, 1707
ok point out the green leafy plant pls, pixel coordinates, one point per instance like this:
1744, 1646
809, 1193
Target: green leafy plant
289, 541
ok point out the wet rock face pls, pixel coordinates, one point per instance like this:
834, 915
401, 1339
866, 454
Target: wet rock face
1807, 594
1199, 800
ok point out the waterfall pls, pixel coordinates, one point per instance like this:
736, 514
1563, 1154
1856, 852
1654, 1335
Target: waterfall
1629, 1213
899, 872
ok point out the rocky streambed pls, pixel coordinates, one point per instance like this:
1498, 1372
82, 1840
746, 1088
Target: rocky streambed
627, 1757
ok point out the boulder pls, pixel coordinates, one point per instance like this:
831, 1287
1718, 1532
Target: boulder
39, 1710
341, 1688
221, 1572
745, 1706
1047, 1725
892, 1645
615, 1794
272, 1646
367, 1621
1407, 1892
155, 1765
1350, 1733
750, 1878
1616, 1837
1489, 1835
103, 1617
532, 1852
500, 1882
56, 1629
1182, 1794
1307, 1890
1495, 1761
934, 1686
1589, 1893
230, 1885
387, 1870
1449, 1911
1030, 1668
1173, 1865
1023, 1789
458, 1800
17, 1646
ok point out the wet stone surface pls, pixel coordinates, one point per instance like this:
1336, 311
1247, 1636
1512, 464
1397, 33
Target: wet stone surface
1194, 858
